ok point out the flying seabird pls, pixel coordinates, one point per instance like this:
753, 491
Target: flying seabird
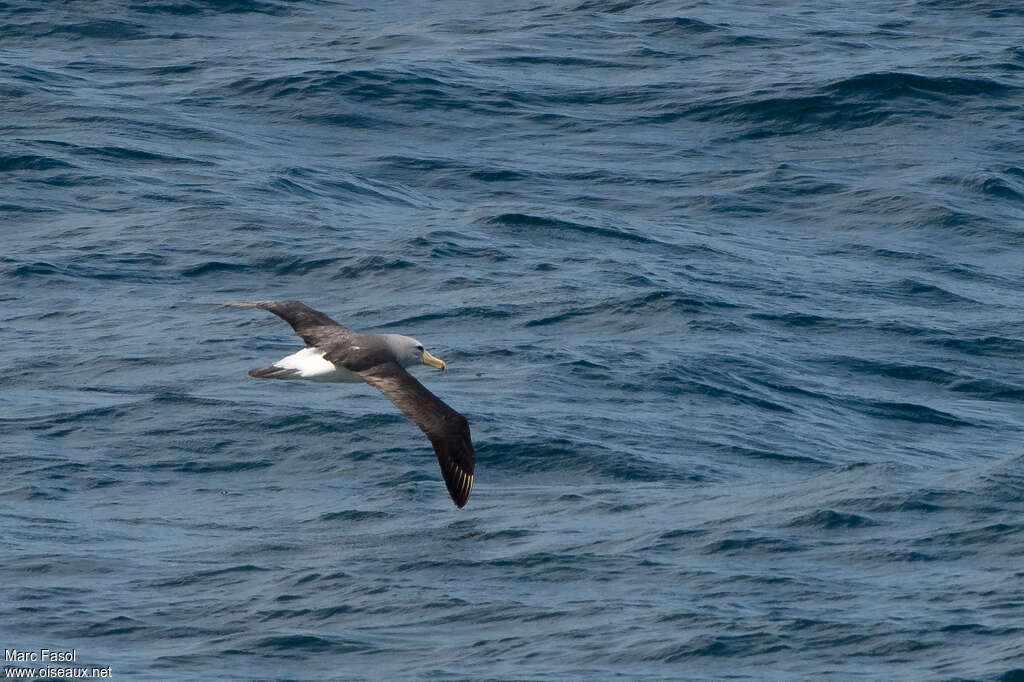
337, 354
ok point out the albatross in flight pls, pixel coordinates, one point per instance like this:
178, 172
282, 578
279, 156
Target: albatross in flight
336, 353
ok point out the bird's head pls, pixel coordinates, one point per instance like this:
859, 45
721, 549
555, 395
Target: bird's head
411, 352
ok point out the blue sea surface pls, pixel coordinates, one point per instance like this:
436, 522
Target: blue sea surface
731, 294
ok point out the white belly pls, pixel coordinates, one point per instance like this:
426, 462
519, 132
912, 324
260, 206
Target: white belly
311, 366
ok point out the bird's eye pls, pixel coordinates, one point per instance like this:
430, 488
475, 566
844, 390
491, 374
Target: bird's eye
419, 348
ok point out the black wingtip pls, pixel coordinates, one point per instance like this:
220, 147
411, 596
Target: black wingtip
459, 483
462, 497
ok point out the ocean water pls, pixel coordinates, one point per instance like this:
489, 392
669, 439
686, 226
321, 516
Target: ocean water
732, 295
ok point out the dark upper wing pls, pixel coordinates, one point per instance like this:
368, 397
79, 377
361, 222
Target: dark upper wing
447, 430
312, 325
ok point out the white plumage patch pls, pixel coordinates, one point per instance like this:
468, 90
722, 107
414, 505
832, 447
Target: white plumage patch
311, 365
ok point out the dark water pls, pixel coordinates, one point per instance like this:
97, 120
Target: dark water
731, 294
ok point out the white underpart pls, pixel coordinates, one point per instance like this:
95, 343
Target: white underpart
312, 366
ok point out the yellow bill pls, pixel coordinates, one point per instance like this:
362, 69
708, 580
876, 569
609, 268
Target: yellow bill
433, 361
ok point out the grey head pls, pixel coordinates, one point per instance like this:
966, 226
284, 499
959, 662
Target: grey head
408, 351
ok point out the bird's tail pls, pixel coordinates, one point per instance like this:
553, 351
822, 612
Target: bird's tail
273, 372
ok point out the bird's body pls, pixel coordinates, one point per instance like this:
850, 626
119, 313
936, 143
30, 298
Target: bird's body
334, 353
309, 364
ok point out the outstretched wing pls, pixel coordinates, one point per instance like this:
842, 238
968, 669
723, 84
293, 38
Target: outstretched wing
447, 430
312, 325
